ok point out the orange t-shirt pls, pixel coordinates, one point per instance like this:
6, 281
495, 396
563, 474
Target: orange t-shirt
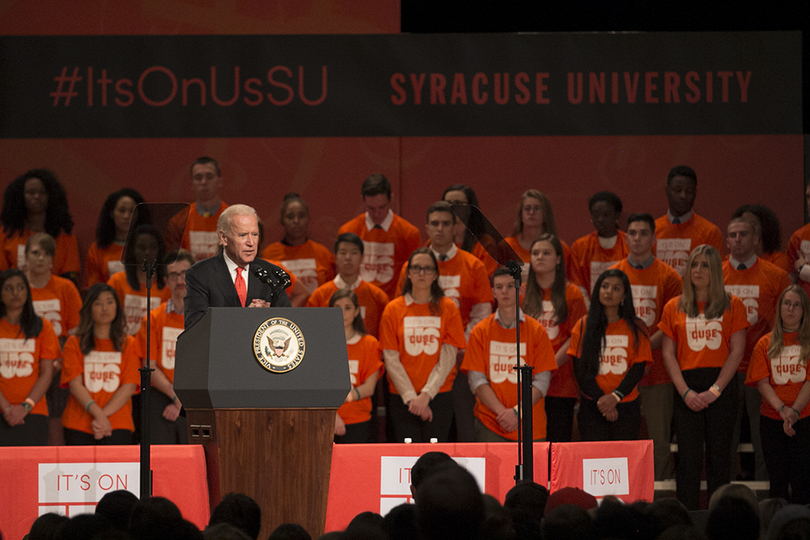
200, 235
418, 336
589, 259
759, 288
164, 329
65, 260
799, 247
702, 343
19, 361
652, 288
463, 279
563, 382
481, 253
364, 361
103, 371
786, 374
619, 353
134, 302
371, 298
384, 251
778, 259
675, 241
101, 264
311, 262
491, 351
59, 301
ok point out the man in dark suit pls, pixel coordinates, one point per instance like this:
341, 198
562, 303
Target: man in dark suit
229, 279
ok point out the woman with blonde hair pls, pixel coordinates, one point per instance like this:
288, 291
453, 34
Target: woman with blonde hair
778, 369
704, 340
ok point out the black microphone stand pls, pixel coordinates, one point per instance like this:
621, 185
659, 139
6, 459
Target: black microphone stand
146, 389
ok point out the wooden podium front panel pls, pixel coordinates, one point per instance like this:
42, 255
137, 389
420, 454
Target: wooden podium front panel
280, 457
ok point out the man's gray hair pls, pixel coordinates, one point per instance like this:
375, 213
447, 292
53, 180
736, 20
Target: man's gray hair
224, 221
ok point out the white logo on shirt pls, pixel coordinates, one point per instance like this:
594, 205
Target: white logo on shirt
168, 344
787, 368
378, 262
422, 335
701, 333
16, 357
203, 244
502, 359
52, 311
102, 371
749, 294
614, 355
674, 252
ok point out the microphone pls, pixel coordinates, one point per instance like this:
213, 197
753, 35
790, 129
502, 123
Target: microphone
283, 279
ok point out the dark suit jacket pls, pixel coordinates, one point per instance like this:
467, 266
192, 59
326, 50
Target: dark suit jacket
208, 284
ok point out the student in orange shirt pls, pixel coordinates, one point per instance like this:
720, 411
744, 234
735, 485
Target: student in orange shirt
704, 341
609, 349
353, 419
36, 202
535, 217
56, 299
101, 370
778, 368
312, 262
768, 232
596, 252
557, 304
130, 284
798, 251
469, 236
420, 334
166, 424
104, 256
26, 364
489, 363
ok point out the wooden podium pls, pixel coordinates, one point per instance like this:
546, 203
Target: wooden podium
266, 433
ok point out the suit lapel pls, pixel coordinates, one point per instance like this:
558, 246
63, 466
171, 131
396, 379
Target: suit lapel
223, 280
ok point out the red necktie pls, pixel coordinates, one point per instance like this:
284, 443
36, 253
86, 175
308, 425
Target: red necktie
241, 289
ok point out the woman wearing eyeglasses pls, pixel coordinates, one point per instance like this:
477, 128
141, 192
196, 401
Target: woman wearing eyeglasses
778, 369
420, 333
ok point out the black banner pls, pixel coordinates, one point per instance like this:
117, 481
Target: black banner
401, 85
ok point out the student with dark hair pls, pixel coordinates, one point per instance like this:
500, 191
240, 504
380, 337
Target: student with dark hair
654, 284
420, 333
428, 464
557, 304
389, 239
798, 251
596, 252
704, 341
348, 257
778, 368
768, 231
312, 262
130, 284
101, 370
104, 256
681, 230
30, 347
468, 236
239, 510
46, 527
116, 506
450, 506
610, 348
36, 202
353, 418
289, 531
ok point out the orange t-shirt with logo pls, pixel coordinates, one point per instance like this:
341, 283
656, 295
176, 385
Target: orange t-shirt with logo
103, 371
652, 287
19, 361
164, 329
799, 247
786, 374
134, 302
759, 288
418, 335
101, 264
312, 263
200, 235
675, 241
463, 279
365, 359
384, 251
702, 343
619, 353
65, 260
371, 298
563, 382
491, 351
589, 259
59, 302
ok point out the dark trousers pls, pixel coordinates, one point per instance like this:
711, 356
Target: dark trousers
712, 427
787, 458
161, 430
34, 432
80, 438
559, 418
594, 427
410, 426
361, 432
